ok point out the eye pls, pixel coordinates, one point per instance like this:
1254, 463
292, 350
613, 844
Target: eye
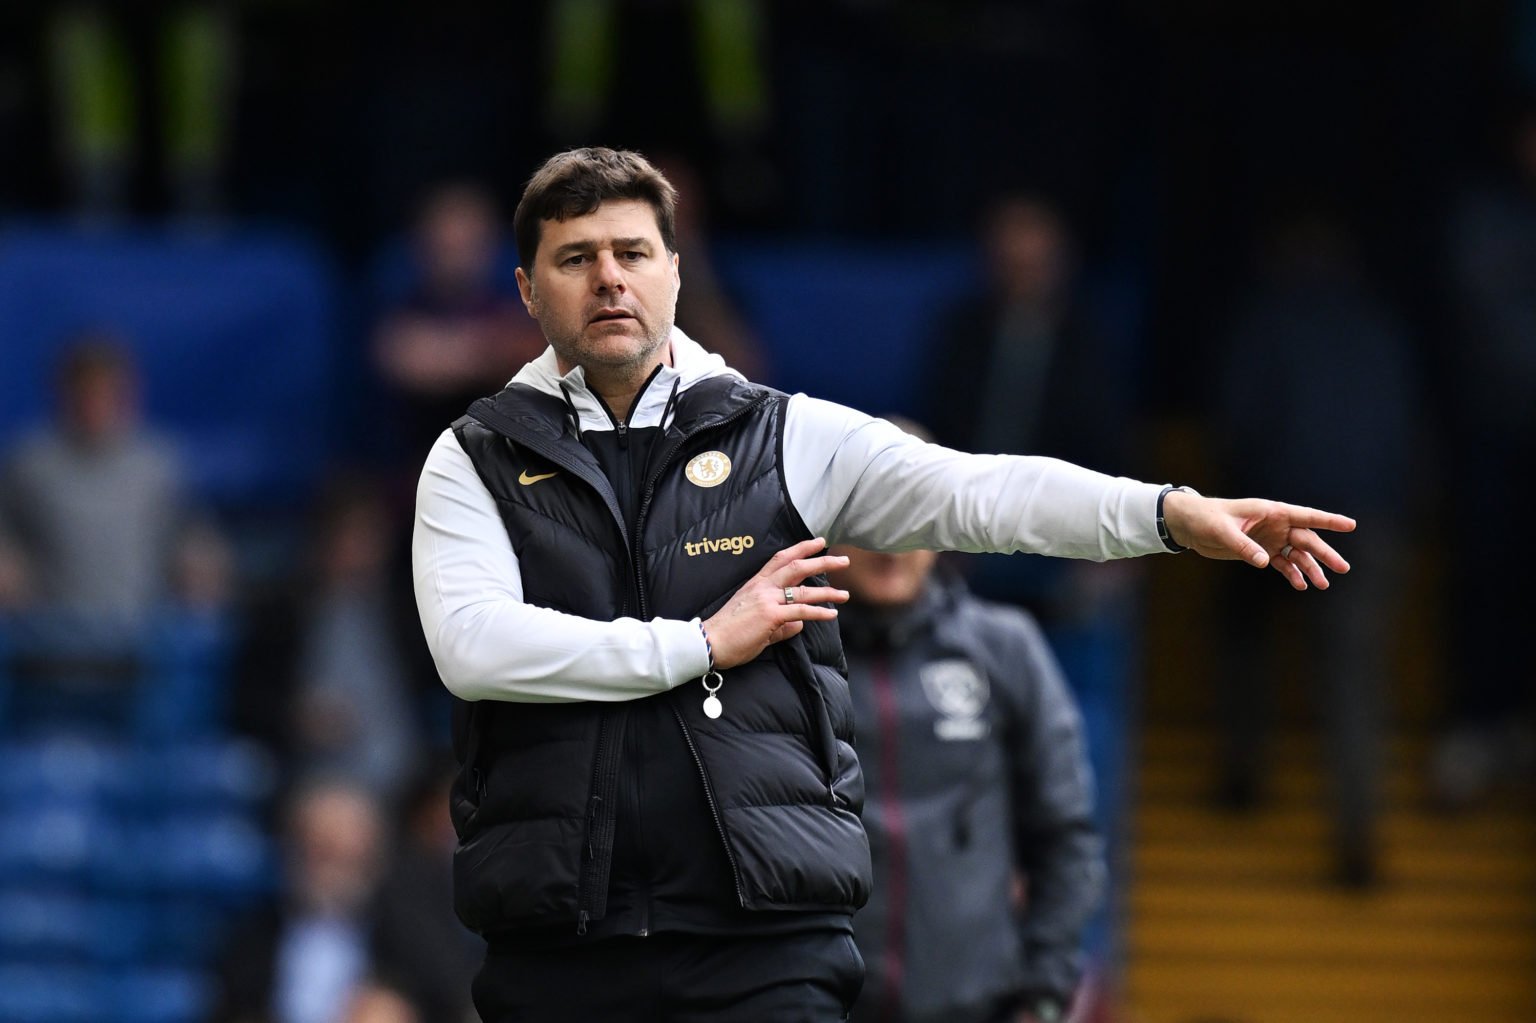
632, 256
576, 260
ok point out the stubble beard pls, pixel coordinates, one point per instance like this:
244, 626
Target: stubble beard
595, 356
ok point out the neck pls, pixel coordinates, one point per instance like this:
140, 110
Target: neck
620, 395
619, 386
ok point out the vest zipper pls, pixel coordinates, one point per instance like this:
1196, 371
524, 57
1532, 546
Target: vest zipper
639, 576
601, 822
587, 890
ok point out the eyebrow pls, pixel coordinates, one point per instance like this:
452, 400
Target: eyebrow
587, 244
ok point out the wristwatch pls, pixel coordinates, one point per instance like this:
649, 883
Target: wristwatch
1162, 524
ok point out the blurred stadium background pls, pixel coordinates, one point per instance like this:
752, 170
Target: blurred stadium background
1300, 236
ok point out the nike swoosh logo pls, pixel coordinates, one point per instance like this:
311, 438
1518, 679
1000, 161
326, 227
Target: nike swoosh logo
526, 479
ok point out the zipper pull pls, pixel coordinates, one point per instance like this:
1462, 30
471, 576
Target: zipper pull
581, 923
713, 708
623, 435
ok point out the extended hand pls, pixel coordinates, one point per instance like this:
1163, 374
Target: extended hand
758, 614
1258, 532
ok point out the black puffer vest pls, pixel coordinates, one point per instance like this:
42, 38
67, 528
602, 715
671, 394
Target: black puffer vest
534, 804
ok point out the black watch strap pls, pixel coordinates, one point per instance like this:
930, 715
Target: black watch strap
1162, 524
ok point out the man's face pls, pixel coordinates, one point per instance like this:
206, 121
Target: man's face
883, 580
603, 288
100, 405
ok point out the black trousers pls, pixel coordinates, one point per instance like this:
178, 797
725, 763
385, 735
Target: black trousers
811, 977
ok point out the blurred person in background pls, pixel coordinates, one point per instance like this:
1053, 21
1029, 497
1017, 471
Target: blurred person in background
421, 953
619, 565
377, 1004
352, 713
732, 94
704, 307
1028, 370
1490, 395
305, 958
331, 675
978, 785
108, 66
95, 515
459, 332
1345, 435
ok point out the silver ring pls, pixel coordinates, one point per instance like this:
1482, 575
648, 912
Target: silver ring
789, 594
1285, 552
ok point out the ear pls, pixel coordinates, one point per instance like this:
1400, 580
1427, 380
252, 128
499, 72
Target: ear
525, 288
677, 262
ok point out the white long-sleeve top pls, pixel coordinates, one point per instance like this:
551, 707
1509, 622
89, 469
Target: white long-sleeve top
853, 479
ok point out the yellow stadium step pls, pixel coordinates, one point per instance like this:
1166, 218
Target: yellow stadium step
1230, 917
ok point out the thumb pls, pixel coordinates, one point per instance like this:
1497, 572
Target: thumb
1246, 548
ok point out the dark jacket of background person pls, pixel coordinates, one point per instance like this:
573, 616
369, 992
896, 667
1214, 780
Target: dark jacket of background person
420, 951
976, 774
1344, 434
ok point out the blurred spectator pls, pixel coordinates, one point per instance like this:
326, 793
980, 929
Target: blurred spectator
328, 677
980, 800
460, 333
1027, 372
422, 954
732, 92
303, 959
104, 61
352, 713
1340, 433
374, 1004
94, 515
704, 309
979, 807
1492, 420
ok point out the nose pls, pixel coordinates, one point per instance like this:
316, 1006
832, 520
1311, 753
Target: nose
609, 274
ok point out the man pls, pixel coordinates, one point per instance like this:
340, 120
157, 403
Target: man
977, 779
304, 957
619, 562
95, 519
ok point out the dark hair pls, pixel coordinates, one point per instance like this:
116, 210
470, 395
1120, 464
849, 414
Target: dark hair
576, 182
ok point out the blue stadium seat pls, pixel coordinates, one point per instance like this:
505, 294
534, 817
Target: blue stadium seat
159, 996
845, 321
234, 332
50, 994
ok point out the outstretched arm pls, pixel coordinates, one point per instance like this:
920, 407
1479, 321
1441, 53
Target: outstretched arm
1262, 533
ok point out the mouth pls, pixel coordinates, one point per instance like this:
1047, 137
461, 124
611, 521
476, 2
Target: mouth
611, 316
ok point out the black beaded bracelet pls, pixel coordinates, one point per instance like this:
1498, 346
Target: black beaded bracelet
1162, 524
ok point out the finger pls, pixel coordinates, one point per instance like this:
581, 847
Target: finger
1319, 548
803, 549
819, 595
806, 613
785, 631
1313, 518
1238, 544
1310, 568
1289, 568
798, 571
